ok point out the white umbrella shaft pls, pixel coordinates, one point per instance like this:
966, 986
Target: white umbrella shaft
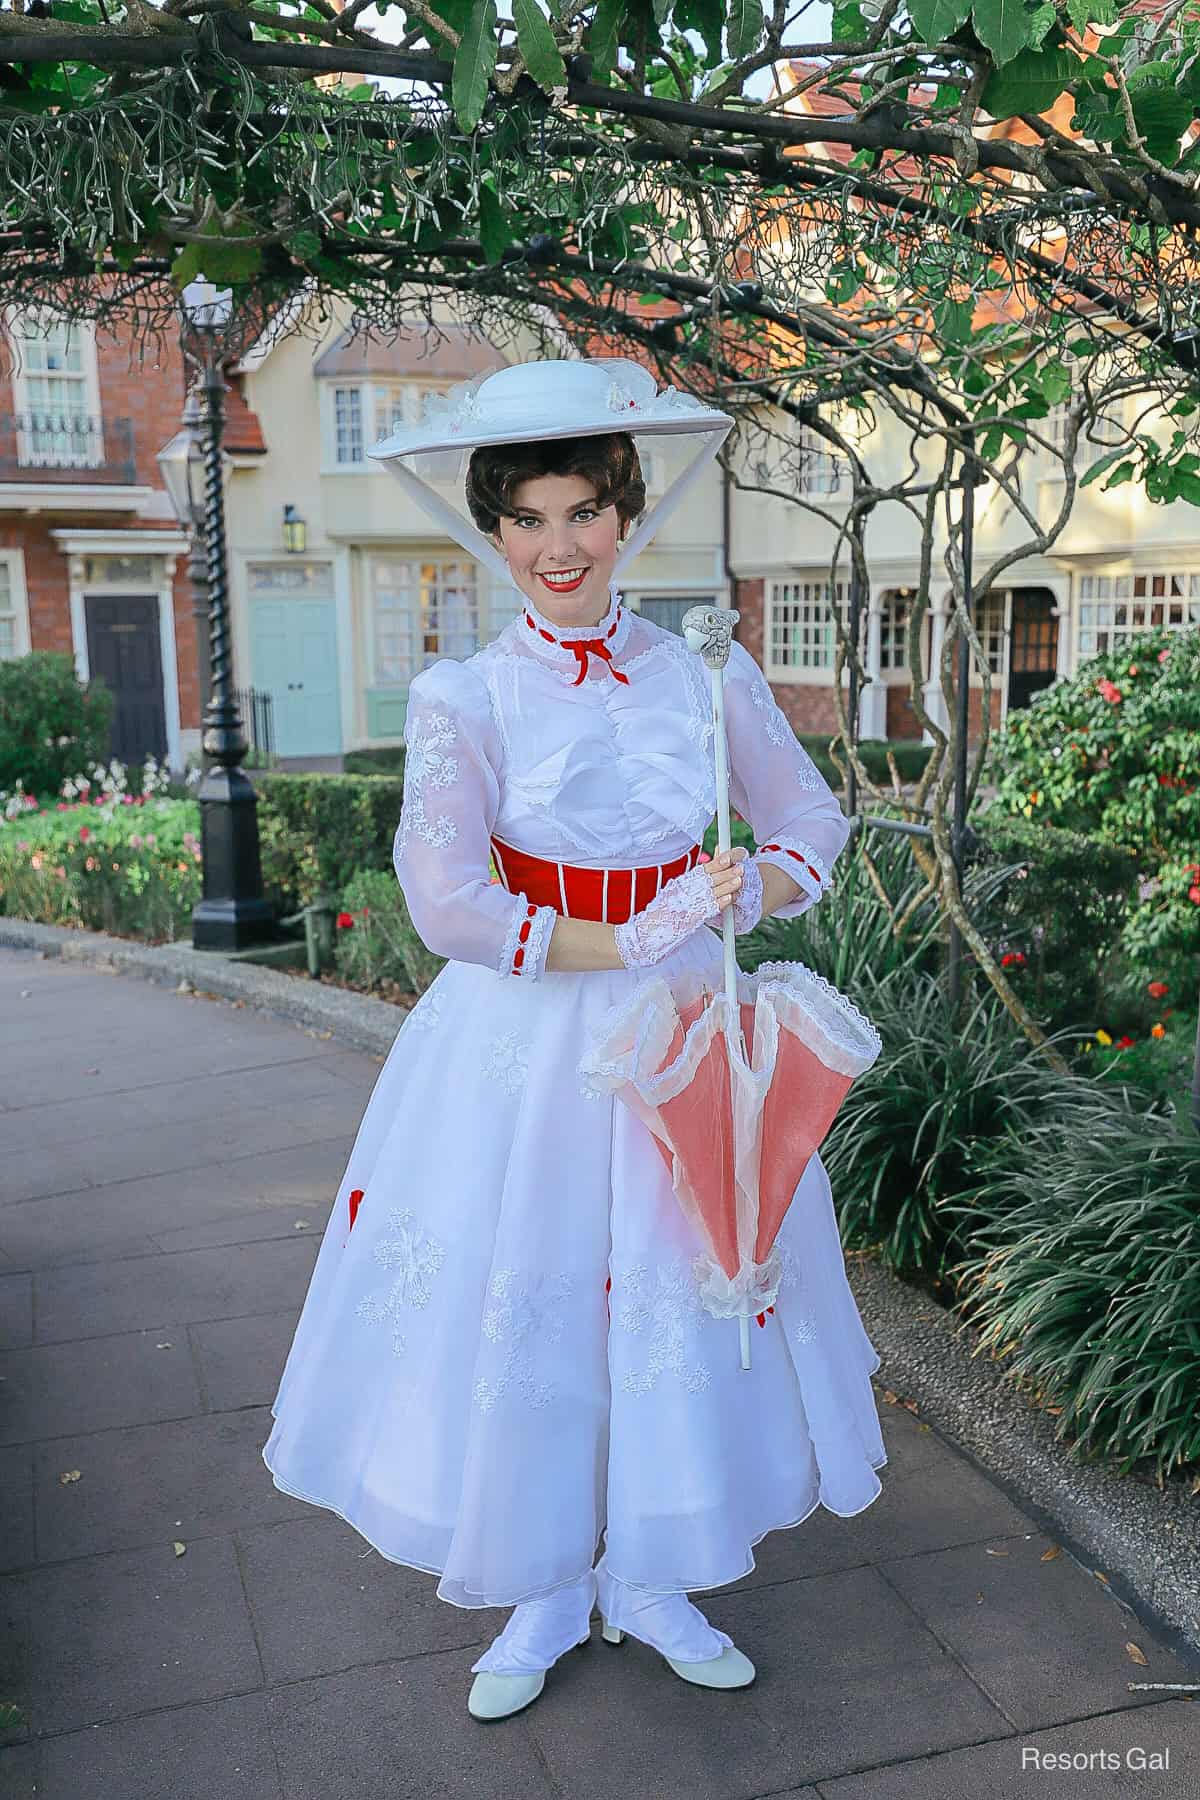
733, 1030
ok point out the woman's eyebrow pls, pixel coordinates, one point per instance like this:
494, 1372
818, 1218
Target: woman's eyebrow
522, 510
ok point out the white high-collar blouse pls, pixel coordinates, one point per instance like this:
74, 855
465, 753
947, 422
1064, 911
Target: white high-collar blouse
612, 769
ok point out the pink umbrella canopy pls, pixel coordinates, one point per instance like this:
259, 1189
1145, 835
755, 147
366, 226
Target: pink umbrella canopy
736, 1133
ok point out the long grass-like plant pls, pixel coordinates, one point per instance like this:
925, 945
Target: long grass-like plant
1084, 1275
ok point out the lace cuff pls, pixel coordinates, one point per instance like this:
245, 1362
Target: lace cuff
527, 941
805, 866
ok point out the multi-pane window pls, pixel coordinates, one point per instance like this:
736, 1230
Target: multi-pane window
1096, 436
989, 623
822, 471
423, 609
365, 412
800, 632
57, 426
8, 611
893, 629
1114, 608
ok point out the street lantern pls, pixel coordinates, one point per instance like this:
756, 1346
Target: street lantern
181, 464
295, 531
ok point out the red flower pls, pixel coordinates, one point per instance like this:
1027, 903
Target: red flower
1109, 690
1124, 1043
345, 921
1194, 893
355, 1202
84, 834
1156, 989
1012, 956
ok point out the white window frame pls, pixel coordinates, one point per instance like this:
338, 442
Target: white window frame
820, 468
29, 455
369, 394
893, 633
807, 591
14, 604
441, 558
1101, 597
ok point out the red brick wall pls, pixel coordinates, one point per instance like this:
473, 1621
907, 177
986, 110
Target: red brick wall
150, 395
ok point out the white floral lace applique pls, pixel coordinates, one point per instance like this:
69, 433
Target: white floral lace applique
661, 1309
779, 731
426, 1015
521, 1319
506, 1060
805, 1329
417, 1257
427, 763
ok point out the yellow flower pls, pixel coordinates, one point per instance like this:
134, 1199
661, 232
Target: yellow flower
1028, 811
1102, 1037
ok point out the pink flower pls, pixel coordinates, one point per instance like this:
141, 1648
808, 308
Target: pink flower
1109, 691
84, 834
1194, 893
1163, 655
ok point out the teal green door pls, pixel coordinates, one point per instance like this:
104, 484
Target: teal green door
293, 652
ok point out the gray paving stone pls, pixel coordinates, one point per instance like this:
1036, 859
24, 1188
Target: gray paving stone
181, 1288
323, 1601
151, 1484
111, 1636
21, 1773
251, 1197
1007, 1771
214, 1752
174, 1148
402, 1730
1042, 1639
16, 1311
54, 1390
846, 1675
16, 1506
241, 1360
278, 1219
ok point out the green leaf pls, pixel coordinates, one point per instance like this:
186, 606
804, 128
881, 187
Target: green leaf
1030, 83
603, 37
842, 285
744, 27
936, 19
1056, 383
849, 23
1010, 26
1083, 13
229, 262
474, 62
707, 19
495, 231
1162, 115
304, 245
1098, 468
535, 40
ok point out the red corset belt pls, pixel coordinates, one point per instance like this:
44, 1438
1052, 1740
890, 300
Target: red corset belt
613, 895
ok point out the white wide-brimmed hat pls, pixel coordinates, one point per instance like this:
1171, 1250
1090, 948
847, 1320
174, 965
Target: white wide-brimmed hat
546, 399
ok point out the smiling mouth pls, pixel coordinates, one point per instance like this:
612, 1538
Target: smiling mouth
564, 581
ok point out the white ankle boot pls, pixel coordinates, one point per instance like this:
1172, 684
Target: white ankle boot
697, 1651
512, 1670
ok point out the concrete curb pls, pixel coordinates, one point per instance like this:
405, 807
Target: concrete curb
1145, 1542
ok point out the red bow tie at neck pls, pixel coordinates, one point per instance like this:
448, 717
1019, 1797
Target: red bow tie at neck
581, 647
598, 647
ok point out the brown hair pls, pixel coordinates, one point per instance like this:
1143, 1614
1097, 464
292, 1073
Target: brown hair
609, 460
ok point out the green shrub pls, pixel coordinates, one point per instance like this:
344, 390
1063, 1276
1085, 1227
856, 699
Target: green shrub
318, 831
1084, 1277
132, 870
376, 943
917, 1128
51, 724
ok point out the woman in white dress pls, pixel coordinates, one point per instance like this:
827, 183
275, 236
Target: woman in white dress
503, 1365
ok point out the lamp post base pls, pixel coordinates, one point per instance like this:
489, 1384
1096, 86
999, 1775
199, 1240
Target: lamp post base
233, 914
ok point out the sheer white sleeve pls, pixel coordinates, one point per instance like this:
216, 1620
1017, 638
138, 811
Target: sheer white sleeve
775, 785
442, 850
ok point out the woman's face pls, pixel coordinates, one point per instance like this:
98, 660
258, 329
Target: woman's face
558, 531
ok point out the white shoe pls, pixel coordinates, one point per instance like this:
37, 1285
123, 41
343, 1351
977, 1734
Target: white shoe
669, 1622
512, 1671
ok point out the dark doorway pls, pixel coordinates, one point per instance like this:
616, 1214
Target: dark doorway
1033, 647
669, 613
124, 653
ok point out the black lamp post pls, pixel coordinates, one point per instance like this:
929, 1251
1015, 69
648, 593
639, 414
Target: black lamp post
181, 463
233, 913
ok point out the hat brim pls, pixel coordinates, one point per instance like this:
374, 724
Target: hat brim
408, 443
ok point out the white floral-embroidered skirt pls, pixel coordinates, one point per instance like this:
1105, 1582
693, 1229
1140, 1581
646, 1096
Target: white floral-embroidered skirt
504, 1365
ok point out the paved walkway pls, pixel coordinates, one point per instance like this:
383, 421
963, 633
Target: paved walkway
167, 1163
